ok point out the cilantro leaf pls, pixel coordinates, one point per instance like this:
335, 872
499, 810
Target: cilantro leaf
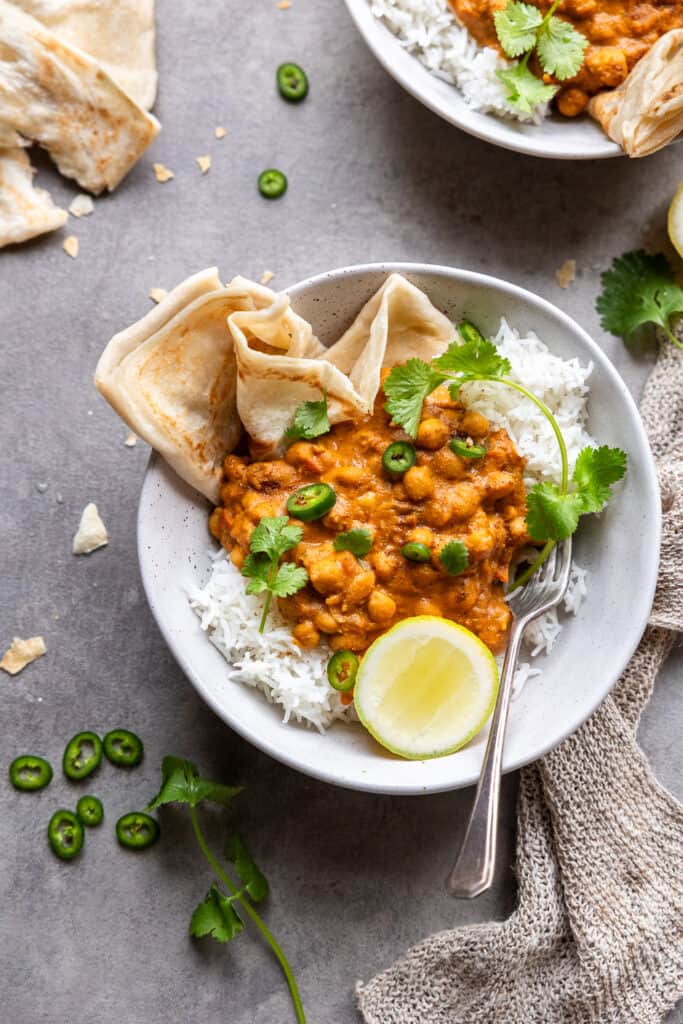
638, 288
473, 360
182, 784
253, 879
560, 48
288, 579
216, 916
257, 569
406, 388
310, 420
523, 89
454, 557
595, 471
550, 514
357, 541
273, 536
516, 27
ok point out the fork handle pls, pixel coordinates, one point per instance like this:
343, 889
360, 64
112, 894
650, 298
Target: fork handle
473, 871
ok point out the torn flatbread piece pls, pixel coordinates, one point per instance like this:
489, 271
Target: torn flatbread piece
91, 533
58, 96
21, 653
646, 112
119, 35
212, 359
25, 211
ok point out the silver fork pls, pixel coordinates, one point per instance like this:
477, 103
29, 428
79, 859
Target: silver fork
472, 873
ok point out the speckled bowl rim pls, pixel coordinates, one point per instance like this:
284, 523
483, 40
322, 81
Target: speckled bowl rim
328, 769
554, 139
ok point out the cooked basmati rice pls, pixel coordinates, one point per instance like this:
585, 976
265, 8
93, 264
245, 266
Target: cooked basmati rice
428, 29
296, 679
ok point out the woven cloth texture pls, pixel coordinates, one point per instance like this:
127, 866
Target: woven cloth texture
597, 936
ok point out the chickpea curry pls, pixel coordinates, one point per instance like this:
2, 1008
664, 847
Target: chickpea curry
619, 33
460, 481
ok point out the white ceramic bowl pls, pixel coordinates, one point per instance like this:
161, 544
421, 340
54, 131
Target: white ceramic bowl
557, 138
620, 548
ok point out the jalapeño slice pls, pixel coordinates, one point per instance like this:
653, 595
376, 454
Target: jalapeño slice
137, 830
123, 748
30, 773
272, 183
65, 834
342, 669
398, 458
468, 451
470, 333
416, 552
311, 502
82, 755
89, 811
292, 81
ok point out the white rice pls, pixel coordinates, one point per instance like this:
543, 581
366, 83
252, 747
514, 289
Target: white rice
296, 679
428, 29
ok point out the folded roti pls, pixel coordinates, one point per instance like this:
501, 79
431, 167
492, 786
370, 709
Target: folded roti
25, 211
120, 35
646, 112
57, 95
210, 360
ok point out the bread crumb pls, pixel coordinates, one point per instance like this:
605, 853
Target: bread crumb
566, 273
131, 440
70, 246
204, 163
220, 132
268, 275
21, 653
91, 533
162, 173
81, 206
157, 294
284, 5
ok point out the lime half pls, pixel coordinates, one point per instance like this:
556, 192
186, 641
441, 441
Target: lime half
675, 220
426, 687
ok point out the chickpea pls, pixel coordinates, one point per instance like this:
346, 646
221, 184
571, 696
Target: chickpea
418, 483
299, 453
517, 527
325, 622
474, 424
608, 64
352, 476
368, 501
463, 500
237, 557
450, 465
580, 8
427, 607
499, 484
572, 101
327, 575
432, 433
215, 521
421, 535
305, 634
383, 564
360, 587
480, 544
381, 607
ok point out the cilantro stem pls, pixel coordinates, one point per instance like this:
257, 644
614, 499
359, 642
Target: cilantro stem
269, 596
672, 337
256, 919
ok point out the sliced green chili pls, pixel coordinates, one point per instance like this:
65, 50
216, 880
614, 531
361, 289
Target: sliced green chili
398, 458
292, 81
30, 773
272, 183
467, 451
123, 748
65, 834
416, 552
82, 755
342, 669
137, 830
89, 811
311, 502
469, 332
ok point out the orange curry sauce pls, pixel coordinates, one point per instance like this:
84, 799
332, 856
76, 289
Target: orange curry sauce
619, 33
442, 497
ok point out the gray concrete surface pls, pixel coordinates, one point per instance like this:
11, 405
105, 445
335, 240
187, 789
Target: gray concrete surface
373, 176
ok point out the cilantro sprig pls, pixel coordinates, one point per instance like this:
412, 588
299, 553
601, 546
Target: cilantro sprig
310, 420
229, 902
639, 288
553, 511
269, 541
358, 541
522, 31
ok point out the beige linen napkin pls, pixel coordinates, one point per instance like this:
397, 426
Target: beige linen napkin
597, 937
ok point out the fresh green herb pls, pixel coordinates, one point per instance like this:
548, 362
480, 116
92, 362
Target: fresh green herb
268, 543
472, 360
228, 903
357, 541
406, 388
522, 31
454, 557
310, 420
639, 288
554, 516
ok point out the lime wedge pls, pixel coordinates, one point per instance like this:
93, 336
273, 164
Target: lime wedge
426, 687
675, 220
